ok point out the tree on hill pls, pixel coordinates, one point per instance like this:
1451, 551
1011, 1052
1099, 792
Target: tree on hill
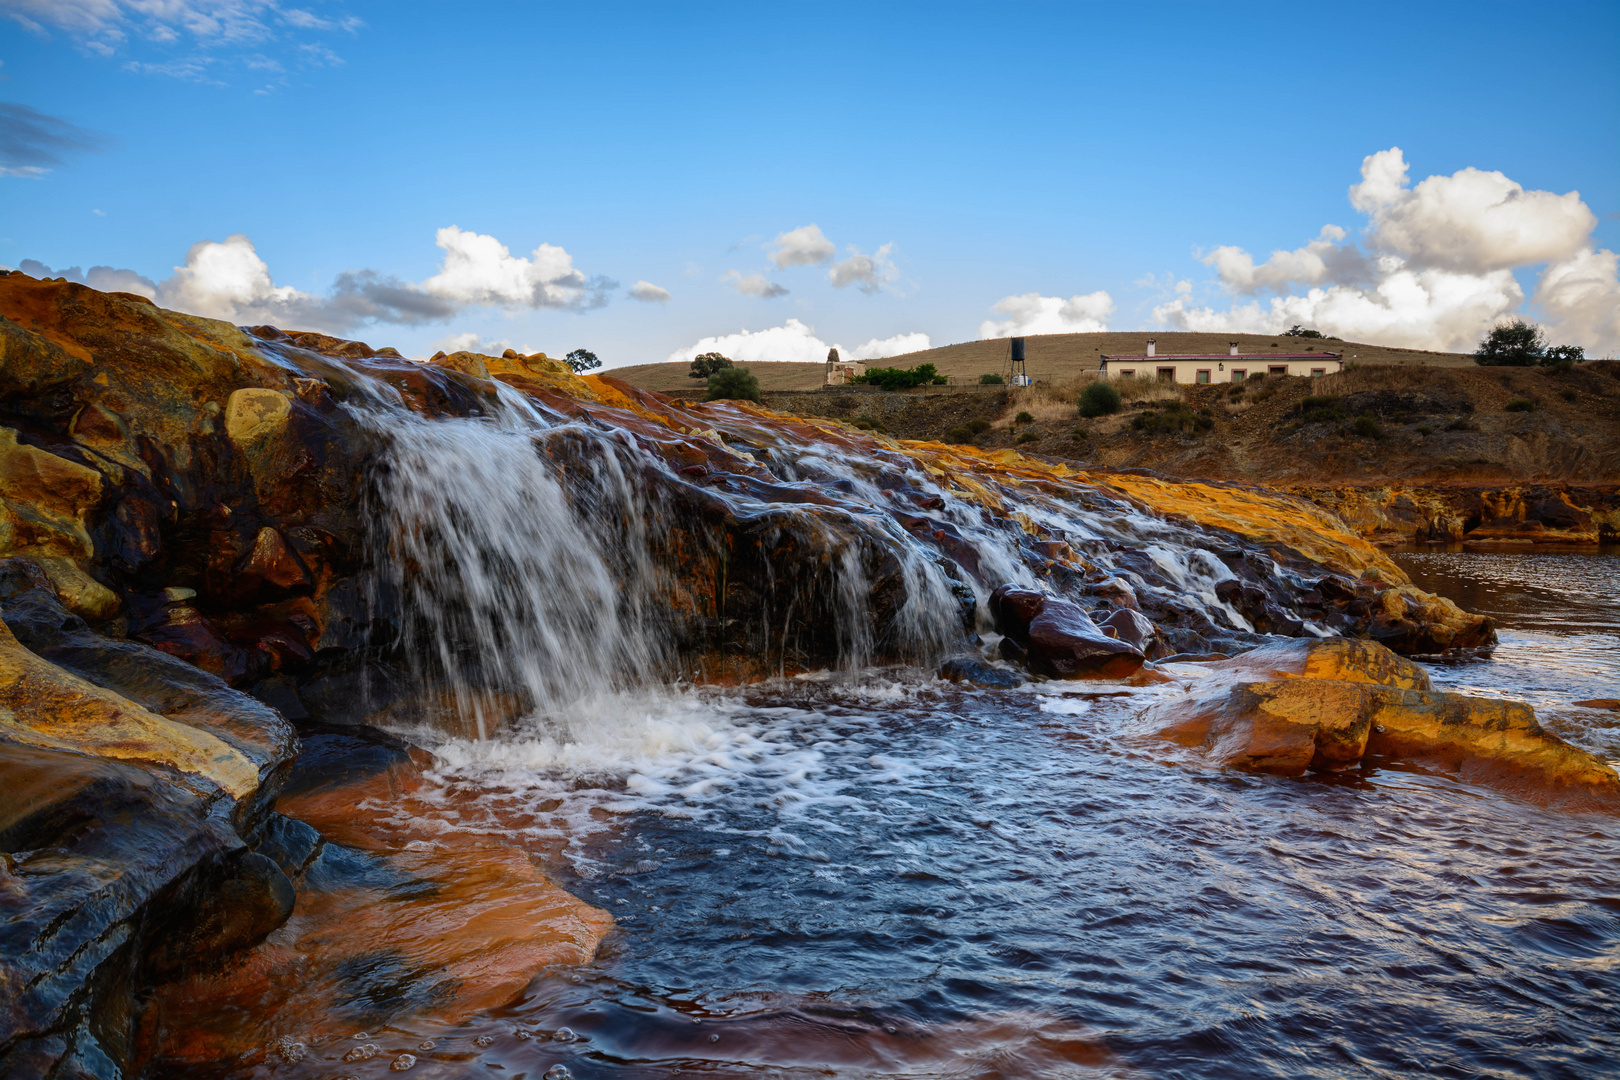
707, 364
582, 360
889, 378
733, 383
1299, 331
1522, 344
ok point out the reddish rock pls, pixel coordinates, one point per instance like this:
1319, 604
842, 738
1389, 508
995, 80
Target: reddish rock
1059, 638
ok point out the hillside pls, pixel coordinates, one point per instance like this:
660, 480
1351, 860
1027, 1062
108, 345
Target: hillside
1051, 358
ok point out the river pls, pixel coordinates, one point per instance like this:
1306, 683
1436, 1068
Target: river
890, 876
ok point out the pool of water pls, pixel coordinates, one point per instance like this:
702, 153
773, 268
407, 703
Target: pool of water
893, 876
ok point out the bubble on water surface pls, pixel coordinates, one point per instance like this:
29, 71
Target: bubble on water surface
363, 1053
401, 1063
558, 1072
564, 1035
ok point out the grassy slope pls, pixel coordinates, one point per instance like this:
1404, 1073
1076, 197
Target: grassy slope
1051, 358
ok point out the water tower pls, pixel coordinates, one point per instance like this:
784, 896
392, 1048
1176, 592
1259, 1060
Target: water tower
1016, 374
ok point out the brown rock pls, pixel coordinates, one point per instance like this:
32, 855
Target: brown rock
1299, 706
273, 561
1058, 639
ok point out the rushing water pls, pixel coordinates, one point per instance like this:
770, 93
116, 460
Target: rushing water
891, 876
873, 873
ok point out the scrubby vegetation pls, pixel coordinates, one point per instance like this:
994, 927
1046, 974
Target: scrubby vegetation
1176, 417
733, 383
1099, 398
1520, 405
582, 360
707, 364
992, 380
902, 378
1522, 344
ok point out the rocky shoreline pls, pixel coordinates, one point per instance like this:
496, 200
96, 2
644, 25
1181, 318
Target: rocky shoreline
205, 625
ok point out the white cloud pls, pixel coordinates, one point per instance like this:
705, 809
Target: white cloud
1033, 313
1581, 298
793, 341
1427, 309
882, 348
479, 269
1472, 221
229, 280
869, 273
753, 285
649, 293
804, 246
1441, 269
1324, 259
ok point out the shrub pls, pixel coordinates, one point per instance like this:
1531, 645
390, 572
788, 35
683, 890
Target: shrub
1322, 409
1462, 425
1176, 417
707, 364
733, 383
1300, 331
1569, 395
959, 435
1237, 389
1027, 437
1522, 344
1023, 418
1366, 427
582, 360
1099, 399
888, 378
978, 427
1520, 405
992, 380
1425, 429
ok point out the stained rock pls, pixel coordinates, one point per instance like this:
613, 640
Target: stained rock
970, 670
1059, 638
1322, 706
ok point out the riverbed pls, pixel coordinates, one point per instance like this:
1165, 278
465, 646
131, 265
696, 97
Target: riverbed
888, 875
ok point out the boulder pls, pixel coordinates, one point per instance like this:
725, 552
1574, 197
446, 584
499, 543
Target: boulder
1297, 706
1058, 637
969, 669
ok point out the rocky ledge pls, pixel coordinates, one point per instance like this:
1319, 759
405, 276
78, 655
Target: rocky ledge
193, 580
1294, 707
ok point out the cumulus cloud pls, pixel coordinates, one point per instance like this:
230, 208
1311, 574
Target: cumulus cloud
1438, 272
1033, 313
33, 143
804, 246
753, 285
479, 269
868, 273
1472, 221
105, 278
648, 293
794, 341
882, 348
229, 280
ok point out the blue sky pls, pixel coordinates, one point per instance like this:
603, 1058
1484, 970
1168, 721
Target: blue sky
1027, 156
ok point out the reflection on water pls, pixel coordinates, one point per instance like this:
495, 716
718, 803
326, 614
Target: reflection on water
1558, 617
909, 879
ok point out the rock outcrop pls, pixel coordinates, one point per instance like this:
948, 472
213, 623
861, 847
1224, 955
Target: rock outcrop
1296, 707
199, 555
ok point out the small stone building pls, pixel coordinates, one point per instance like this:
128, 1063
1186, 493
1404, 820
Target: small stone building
843, 372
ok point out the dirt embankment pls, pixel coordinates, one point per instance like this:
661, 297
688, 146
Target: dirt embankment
1499, 455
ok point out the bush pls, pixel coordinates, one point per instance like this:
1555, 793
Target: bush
992, 380
1569, 395
959, 434
1023, 418
1321, 410
1522, 344
733, 383
1099, 399
1462, 425
1366, 427
1177, 417
1027, 437
888, 378
978, 427
582, 360
1520, 405
1564, 357
707, 364
1299, 331
1424, 429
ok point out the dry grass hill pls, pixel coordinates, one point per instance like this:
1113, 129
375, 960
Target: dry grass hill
1051, 358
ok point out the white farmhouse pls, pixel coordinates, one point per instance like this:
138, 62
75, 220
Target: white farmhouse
1232, 366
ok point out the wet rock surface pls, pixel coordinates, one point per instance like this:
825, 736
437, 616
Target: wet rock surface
205, 537
1326, 706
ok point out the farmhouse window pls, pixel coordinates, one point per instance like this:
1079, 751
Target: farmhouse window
1239, 374
1167, 374
1202, 376
1278, 369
